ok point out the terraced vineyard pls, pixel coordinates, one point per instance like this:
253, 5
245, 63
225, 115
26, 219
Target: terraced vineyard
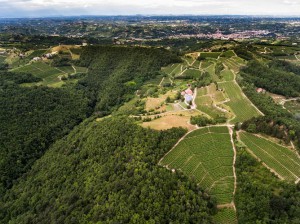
239, 104
207, 156
282, 160
207, 98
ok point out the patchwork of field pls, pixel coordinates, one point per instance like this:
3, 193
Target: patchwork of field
226, 216
239, 104
206, 99
207, 156
282, 160
50, 75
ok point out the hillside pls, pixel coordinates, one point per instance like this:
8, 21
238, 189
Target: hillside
98, 174
127, 134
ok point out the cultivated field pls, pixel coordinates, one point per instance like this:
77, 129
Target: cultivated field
226, 216
282, 160
207, 97
239, 104
207, 156
50, 75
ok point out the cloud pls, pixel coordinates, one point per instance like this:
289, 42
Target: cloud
36, 8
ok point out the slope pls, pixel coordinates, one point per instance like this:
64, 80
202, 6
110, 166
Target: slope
99, 175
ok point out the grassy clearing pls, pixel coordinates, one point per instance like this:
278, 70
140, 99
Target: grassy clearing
172, 119
207, 156
239, 104
226, 216
282, 160
154, 103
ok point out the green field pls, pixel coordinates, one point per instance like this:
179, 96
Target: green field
37, 53
204, 55
225, 216
227, 75
206, 98
66, 69
207, 156
192, 73
283, 160
42, 70
228, 54
239, 104
172, 70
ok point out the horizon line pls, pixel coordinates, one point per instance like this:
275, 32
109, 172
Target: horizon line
154, 15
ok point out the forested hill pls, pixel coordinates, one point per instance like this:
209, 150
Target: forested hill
98, 174
31, 120
116, 72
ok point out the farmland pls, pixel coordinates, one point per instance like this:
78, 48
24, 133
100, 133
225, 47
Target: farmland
283, 161
50, 75
239, 104
206, 155
207, 99
226, 216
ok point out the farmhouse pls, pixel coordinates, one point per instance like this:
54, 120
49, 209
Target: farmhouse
36, 59
188, 95
261, 90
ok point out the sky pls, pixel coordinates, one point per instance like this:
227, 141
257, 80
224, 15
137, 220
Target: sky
45, 8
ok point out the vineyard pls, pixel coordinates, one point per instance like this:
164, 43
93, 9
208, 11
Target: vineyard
282, 160
206, 155
226, 216
239, 104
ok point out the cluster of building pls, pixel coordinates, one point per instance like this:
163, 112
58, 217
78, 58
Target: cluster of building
45, 56
220, 36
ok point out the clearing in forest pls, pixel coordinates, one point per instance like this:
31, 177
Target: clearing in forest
172, 119
284, 162
207, 156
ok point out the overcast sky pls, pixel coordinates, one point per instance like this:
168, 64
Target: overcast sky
41, 8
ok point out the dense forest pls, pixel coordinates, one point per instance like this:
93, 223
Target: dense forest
115, 73
261, 197
277, 121
31, 120
98, 174
276, 77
